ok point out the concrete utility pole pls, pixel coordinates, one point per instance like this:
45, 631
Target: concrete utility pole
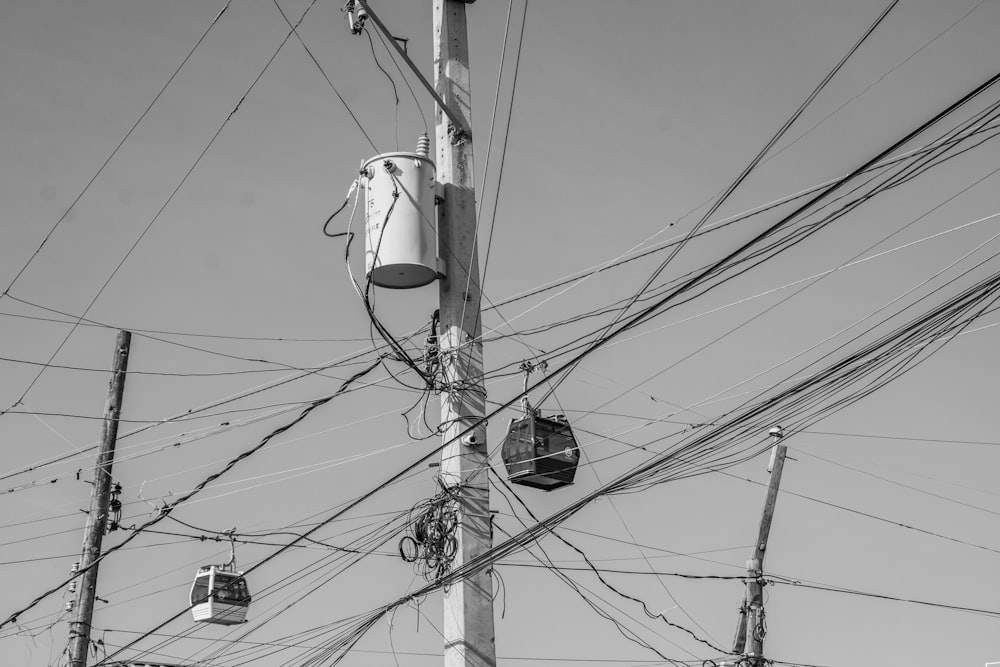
468, 604
751, 629
100, 497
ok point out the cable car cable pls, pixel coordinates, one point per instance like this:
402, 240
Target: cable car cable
152, 221
493, 552
169, 507
114, 152
583, 345
743, 175
499, 550
593, 568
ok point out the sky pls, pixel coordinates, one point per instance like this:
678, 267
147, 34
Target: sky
168, 169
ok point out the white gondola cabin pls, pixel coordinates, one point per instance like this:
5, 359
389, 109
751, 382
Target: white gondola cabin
540, 452
219, 595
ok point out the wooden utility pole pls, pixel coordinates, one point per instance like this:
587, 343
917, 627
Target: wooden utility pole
751, 629
100, 497
468, 604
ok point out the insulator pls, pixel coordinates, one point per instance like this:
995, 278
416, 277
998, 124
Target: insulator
72, 587
424, 145
75, 568
69, 606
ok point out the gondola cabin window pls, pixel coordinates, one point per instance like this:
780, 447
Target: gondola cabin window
219, 596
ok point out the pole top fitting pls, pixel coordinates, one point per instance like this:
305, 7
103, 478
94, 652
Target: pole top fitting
776, 432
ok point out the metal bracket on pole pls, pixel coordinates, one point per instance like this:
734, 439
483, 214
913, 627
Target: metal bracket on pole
461, 133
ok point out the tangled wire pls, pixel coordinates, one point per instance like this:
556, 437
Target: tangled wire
430, 542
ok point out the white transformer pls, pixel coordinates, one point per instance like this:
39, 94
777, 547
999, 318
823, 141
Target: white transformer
400, 223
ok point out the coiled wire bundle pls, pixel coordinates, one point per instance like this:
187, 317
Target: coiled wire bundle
430, 543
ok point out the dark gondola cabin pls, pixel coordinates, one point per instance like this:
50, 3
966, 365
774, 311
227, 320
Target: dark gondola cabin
540, 452
219, 595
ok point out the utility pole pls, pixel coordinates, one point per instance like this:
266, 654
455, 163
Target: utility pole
97, 519
750, 632
468, 604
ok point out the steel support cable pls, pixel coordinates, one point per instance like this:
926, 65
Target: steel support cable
117, 148
593, 568
189, 334
822, 275
796, 237
294, 30
812, 277
878, 596
726, 222
157, 215
775, 247
82, 319
194, 411
628, 633
170, 507
503, 151
633, 321
86, 369
227, 355
945, 143
297, 576
725, 262
569, 347
597, 269
877, 81
416, 464
169, 341
285, 547
739, 179
983, 311
496, 103
703, 468
642, 553
734, 424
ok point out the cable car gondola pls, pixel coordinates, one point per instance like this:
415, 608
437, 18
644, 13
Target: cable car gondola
540, 452
219, 595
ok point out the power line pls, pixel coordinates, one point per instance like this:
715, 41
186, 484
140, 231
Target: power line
157, 215
114, 152
739, 179
878, 596
295, 31
164, 511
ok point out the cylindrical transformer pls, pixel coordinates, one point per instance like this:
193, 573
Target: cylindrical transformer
400, 225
